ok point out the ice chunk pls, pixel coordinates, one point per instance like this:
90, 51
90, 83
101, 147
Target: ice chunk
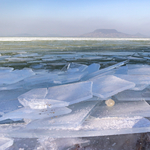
121, 70
140, 71
71, 93
137, 79
130, 95
116, 125
57, 96
6, 69
91, 127
5, 143
101, 71
15, 76
33, 114
9, 101
140, 87
122, 109
72, 120
74, 67
35, 99
69, 77
109, 85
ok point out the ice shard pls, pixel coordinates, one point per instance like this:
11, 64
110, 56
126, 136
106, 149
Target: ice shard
122, 109
71, 93
33, 114
101, 71
131, 95
79, 113
15, 76
5, 143
57, 96
109, 85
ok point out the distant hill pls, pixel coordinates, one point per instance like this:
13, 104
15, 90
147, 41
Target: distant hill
110, 33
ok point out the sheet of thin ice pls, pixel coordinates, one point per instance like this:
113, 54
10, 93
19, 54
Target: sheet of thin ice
122, 109
58, 96
71, 93
101, 71
91, 127
140, 70
109, 85
35, 99
138, 79
79, 113
33, 114
131, 95
5, 143
15, 76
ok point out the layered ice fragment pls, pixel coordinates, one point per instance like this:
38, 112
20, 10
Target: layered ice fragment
15, 76
5, 143
79, 113
109, 85
131, 95
33, 114
57, 96
105, 70
122, 109
71, 93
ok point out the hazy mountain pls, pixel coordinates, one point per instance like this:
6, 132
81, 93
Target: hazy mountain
110, 33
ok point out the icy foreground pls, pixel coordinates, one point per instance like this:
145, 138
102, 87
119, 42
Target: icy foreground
72, 102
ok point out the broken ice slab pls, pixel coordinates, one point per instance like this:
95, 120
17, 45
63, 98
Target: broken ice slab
71, 93
5, 143
9, 101
130, 95
109, 85
35, 99
57, 96
139, 71
18, 59
15, 76
74, 67
6, 69
79, 113
122, 109
101, 71
90, 127
121, 70
33, 114
140, 87
136, 58
137, 79
75, 72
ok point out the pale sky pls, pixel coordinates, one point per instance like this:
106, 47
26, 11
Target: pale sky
73, 17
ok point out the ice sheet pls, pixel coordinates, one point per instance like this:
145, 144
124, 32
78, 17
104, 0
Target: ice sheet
130, 95
15, 76
137, 79
71, 93
101, 71
109, 85
79, 113
33, 114
57, 96
35, 99
122, 109
5, 143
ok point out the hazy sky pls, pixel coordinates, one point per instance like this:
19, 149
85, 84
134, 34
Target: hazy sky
73, 17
